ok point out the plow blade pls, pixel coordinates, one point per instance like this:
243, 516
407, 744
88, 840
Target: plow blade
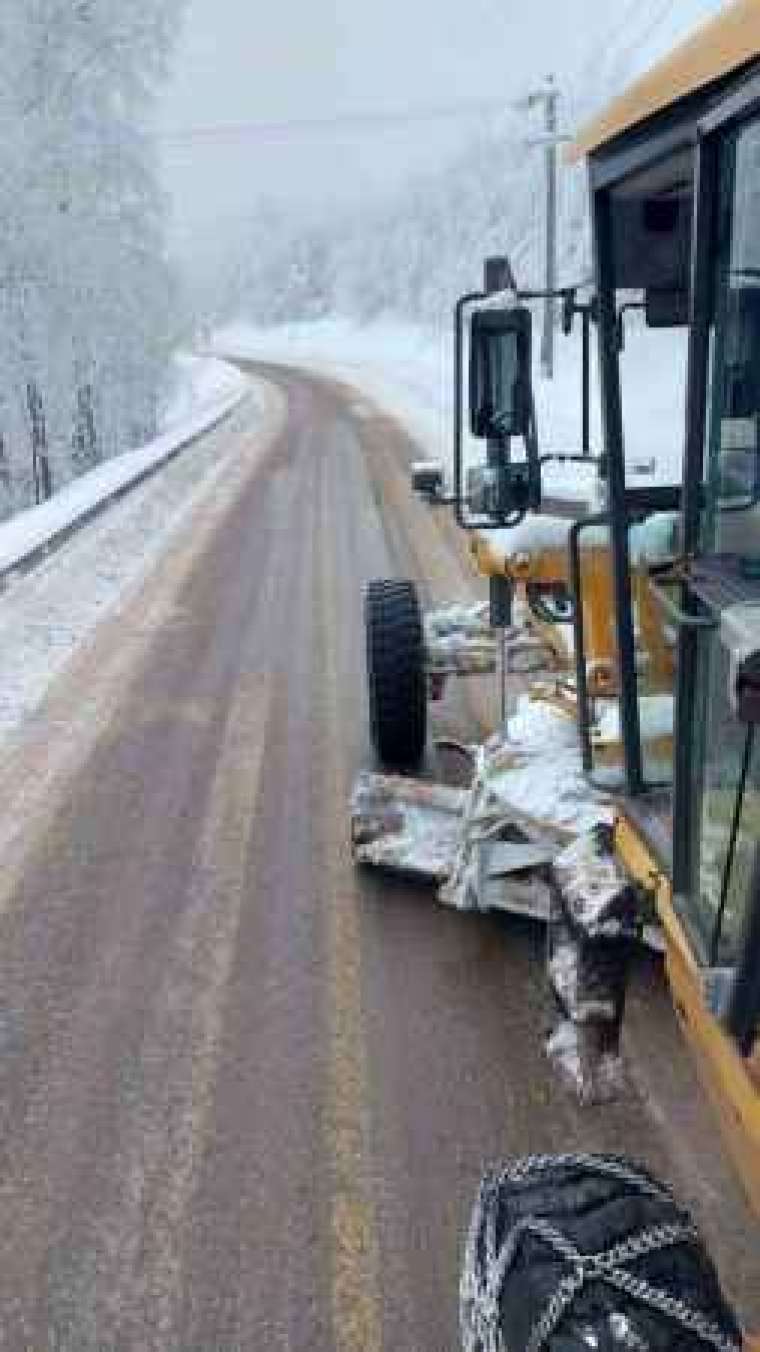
406, 825
423, 830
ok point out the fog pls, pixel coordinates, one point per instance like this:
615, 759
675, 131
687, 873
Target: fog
288, 100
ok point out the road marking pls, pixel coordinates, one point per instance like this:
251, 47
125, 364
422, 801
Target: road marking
209, 945
83, 705
195, 712
355, 1285
132, 1259
356, 1304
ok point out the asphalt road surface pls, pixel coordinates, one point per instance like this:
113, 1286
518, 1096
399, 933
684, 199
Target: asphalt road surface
246, 1095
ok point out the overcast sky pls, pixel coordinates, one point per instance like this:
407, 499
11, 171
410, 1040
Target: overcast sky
300, 61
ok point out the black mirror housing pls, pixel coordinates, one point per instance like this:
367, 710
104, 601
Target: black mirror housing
500, 373
666, 308
427, 478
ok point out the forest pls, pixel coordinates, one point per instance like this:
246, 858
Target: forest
88, 299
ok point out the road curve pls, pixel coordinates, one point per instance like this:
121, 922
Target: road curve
245, 1095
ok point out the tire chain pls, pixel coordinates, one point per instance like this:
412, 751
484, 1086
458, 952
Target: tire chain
481, 1294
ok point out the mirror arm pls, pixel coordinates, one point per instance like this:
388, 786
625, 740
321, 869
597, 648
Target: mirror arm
562, 458
533, 456
461, 306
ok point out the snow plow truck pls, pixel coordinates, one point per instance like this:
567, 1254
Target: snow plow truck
620, 797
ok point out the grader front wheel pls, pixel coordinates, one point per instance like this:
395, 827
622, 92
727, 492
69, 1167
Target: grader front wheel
396, 674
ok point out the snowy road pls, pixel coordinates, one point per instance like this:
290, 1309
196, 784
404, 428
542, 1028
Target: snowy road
245, 1096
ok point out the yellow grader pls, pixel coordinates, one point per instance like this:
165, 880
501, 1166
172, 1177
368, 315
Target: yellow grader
642, 606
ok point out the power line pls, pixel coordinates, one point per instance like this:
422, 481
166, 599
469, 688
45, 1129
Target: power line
307, 125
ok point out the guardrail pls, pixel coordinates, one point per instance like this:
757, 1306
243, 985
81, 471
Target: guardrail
32, 536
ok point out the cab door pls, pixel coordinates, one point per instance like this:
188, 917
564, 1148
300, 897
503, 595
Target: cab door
717, 807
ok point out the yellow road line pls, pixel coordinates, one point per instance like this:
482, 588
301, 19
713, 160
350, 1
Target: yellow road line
356, 1309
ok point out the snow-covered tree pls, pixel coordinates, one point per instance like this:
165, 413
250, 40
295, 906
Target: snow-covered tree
86, 292
412, 254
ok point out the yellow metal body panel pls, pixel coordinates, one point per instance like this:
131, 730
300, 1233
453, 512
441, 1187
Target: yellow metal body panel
537, 565
724, 44
598, 620
550, 565
731, 1081
661, 666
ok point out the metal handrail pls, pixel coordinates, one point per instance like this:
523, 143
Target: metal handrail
459, 499
683, 618
581, 678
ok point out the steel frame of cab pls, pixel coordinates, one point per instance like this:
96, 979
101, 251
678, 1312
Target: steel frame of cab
695, 126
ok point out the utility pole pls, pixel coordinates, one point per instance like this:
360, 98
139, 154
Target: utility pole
547, 345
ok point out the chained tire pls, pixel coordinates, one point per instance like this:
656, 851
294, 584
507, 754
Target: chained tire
396, 675
567, 1253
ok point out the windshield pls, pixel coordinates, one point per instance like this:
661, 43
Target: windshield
287, 757
732, 456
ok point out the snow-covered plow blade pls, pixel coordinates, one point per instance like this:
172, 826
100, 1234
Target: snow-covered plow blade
479, 862
481, 853
530, 838
407, 825
488, 846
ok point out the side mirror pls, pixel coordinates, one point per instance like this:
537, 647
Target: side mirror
666, 308
500, 374
427, 478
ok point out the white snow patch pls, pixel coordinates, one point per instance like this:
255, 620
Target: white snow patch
546, 778
399, 366
409, 371
202, 383
208, 390
46, 615
656, 715
650, 541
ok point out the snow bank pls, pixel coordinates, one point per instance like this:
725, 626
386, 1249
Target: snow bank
47, 614
207, 390
201, 384
404, 368
409, 371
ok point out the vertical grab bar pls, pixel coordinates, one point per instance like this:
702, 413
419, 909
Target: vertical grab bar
581, 679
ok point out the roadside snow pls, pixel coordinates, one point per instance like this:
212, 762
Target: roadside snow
410, 373
201, 384
207, 391
401, 367
46, 615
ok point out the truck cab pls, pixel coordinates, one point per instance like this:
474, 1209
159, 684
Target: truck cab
674, 179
